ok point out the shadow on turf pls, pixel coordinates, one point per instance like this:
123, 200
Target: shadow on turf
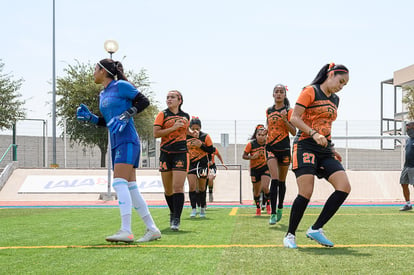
333, 251
168, 231
278, 227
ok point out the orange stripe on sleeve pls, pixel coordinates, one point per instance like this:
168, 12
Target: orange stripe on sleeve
248, 148
306, 97
159, 119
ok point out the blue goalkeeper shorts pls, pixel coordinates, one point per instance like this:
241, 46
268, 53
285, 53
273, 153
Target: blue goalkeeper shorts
127, 153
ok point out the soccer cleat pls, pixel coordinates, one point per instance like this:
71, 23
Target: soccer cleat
406, 207
258, 212
193, 213
150, 236
202, 212
318, 236
121, 236
175, 224
279, 214
210, 197
290, 241
272, 219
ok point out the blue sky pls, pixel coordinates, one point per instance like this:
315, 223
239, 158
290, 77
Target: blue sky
224, 56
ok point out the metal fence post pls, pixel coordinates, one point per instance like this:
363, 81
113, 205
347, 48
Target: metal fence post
14, 143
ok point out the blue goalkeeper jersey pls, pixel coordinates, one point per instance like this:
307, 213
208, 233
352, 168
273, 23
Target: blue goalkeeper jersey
115, 99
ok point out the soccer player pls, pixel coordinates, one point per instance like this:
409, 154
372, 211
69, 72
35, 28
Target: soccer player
255, 152
278, 148
313, 152
199, 147
212, 173
119, 102
172, 126
407, 174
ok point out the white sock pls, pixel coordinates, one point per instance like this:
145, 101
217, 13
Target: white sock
124, 200
141, 206
408, 203
126, 222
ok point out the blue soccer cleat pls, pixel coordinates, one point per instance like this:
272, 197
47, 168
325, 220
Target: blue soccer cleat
318, 236
290, 241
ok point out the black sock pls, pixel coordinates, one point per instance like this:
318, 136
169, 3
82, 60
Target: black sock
203, 195
257, 201
273, 194
178, 204
210, 189
298, 209
198, 199
193, 199
331, 206
282, 192
170, 203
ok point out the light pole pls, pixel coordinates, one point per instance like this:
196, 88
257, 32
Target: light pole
54, 164
111, 46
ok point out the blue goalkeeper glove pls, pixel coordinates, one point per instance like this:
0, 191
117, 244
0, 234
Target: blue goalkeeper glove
118, 123
83, 114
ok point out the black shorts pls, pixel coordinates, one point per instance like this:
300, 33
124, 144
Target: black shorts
283, 157
199, 168
256, 174
212, 170
173, 161
307, 161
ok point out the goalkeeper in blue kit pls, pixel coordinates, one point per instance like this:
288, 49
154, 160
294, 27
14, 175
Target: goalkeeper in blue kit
119, 101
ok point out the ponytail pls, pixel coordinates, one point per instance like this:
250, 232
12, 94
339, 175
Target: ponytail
323, 72
120, 71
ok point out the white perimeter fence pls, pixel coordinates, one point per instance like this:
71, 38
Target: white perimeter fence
359, 142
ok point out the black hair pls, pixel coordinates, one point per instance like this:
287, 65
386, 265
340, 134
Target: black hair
195, 120
323, 72
409, 124
258, 127
113, 68
286, 100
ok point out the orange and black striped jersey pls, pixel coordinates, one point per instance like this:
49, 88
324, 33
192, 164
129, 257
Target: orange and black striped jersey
252, 148
196, 153
277, 131
320, 111
174, 142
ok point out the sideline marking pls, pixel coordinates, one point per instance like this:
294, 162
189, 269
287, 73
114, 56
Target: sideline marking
233, 211
210, 246
340, 214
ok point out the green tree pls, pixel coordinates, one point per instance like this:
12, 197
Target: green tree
11, 105
77, 87
408, 99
